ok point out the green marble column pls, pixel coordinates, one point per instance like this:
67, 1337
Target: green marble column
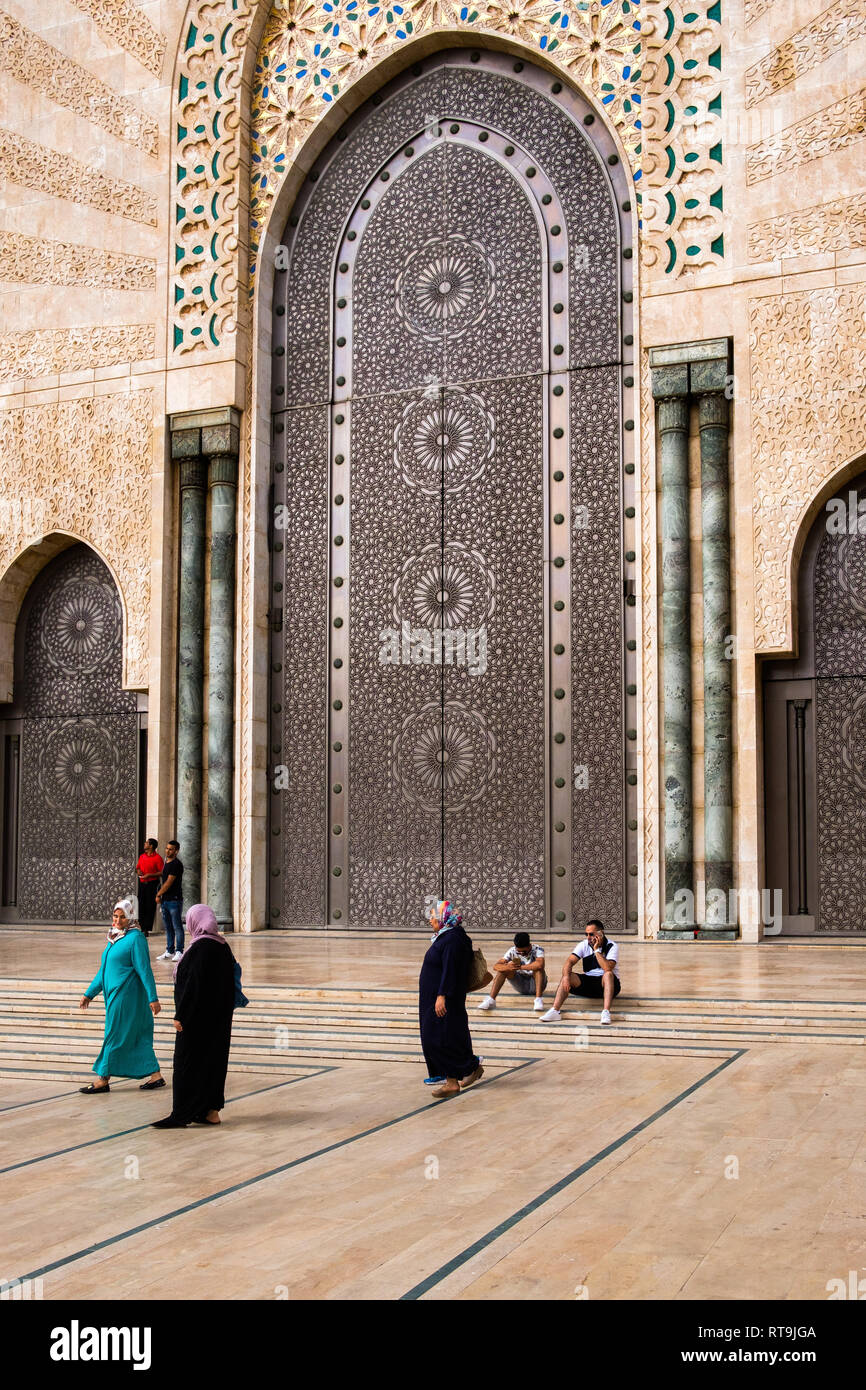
220, 445
670, 388
185, 448
716, 568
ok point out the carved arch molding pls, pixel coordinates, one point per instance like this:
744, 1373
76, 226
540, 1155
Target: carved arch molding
450, 339
654, 69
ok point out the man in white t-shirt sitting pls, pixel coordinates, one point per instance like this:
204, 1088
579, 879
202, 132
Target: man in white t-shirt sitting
599, 977
523, 967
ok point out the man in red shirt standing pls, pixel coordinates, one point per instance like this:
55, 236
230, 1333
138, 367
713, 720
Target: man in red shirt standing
150, 867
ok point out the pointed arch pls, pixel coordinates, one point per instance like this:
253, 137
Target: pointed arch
15, 583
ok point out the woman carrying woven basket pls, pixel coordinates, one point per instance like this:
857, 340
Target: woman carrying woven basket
445, 1037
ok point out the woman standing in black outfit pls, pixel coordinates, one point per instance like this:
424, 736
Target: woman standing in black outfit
204, 996
445, 1037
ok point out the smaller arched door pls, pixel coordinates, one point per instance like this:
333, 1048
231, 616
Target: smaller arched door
815, 734
72, 749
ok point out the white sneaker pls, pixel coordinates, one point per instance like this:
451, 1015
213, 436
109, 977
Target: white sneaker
552, 1016
605, 1016
538, 1005
166, 955
178, 955
487, 1004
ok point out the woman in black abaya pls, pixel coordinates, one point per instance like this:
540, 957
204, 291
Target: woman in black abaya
204, 996
442, 1003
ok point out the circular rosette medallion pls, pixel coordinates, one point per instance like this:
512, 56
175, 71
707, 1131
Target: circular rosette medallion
444, 587
445, 287
854, 742
78, 770
446, 439
79, 626
446, 749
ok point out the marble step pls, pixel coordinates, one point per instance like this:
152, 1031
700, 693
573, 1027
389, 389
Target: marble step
28, 990
516, 1012
529, 1039
796, 1028
262, 1042
44, 1034
279, 1010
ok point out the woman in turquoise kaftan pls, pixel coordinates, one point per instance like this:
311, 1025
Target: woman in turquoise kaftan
131, 1004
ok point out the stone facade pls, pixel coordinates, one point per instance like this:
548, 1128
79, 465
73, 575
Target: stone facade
150, 153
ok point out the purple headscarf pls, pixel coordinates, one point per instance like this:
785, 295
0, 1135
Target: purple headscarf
201, 925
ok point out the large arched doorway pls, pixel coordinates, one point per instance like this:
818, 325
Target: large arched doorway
72, 749
815, 733
451, 658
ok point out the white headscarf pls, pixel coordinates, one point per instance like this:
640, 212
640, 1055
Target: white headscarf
129, 908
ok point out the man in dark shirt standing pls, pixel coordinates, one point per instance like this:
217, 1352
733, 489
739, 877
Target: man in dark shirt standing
170, 898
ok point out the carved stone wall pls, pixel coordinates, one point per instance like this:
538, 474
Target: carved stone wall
44, 351
29, 260
755, 8
84, 151
29, 59
84, 467
835, 226
817, 41
209, 206
808, 402
129, 27
34, 166
822, 133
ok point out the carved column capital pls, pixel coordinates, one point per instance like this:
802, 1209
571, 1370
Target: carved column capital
673, 414
192, 473
712, 410
222, 469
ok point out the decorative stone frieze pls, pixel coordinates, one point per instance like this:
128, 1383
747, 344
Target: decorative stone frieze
29, 59
835, 128
835, 226
45, 351
129, 27
28, 260
825, 36
24, 162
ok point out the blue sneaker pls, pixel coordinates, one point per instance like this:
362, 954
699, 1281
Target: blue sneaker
433, 1080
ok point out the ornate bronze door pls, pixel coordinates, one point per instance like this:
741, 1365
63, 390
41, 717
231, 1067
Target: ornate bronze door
815, 733
448, 646
73, 849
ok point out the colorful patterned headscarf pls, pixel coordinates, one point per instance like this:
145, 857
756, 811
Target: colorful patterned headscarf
444, 914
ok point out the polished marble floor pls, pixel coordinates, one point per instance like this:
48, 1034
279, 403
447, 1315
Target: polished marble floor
709, 1145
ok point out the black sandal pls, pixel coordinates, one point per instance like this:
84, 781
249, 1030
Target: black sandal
92, 1090
153, 1085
